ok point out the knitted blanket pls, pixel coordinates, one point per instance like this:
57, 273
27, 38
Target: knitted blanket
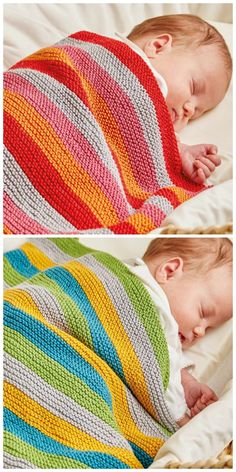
89, 142
86, 361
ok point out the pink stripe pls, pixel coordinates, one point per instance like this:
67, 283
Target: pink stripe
153, 212
17, 221
138, 151
74, 141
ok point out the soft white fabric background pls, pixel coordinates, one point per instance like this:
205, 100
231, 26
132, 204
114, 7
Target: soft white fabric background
27, 27
210, 431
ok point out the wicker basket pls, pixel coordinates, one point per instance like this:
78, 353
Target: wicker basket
226, 229
223, 461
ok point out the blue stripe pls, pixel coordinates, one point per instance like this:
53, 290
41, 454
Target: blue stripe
141, 455
101, 342
56, 348
21, 263
40, 441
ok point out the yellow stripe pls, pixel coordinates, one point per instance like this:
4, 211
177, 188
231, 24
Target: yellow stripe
56, 428
42, 134
23, 301
112, 324
37, 257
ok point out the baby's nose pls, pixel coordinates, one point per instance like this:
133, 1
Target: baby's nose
199, 331
188, 109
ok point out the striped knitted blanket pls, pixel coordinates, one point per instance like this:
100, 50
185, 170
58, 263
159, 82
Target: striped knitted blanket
89, 142
86, 361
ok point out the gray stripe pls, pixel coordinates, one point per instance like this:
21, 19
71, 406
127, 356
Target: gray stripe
76, 112
12, 462
25, 196
145, 110
161, 202
47, 305
135, 331
52, 251
60, 405
97, 231
145, 423
6, 286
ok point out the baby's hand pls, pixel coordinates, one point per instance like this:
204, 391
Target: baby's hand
198, 161
199, 397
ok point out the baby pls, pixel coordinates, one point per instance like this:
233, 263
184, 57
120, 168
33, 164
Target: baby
86, 117
190, 282
194, 69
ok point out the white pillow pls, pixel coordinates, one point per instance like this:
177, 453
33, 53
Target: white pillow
212, 207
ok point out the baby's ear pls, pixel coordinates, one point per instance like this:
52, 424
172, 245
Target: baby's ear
159, 44
169, 270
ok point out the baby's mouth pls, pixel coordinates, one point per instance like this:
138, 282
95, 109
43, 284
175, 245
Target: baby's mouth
174, 115
182, 338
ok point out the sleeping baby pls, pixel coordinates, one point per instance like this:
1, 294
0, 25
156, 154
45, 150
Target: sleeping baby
94, 374
190, 282
184, 53
89, 127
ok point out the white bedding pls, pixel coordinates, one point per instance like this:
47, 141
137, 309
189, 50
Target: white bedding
27, 27
211, 430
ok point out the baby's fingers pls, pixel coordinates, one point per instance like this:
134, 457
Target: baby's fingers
211, 148
206, 161
199, 406
216, 160
208, 399
201, 166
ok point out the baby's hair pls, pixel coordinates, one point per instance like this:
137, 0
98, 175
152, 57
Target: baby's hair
201, 254
186, 30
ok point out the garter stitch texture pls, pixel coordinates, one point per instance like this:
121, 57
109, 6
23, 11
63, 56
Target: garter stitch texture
86, 361
89, 142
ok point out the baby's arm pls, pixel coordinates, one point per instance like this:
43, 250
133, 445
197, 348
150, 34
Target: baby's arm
198, 161
197, 395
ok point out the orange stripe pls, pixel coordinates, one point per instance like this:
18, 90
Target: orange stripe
6, 230
111, 129
180, 193
55, 151
106, 120
141, 221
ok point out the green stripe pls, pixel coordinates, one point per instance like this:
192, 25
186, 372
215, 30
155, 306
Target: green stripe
147, 314
71, 246
56, 375
74, 318
18, 448
10, 275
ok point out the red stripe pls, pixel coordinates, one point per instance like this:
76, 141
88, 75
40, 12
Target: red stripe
169, 195
45, 178
123, 228
126, 55
60, 71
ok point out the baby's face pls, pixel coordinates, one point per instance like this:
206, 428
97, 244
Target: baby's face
199, 303
196, 80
